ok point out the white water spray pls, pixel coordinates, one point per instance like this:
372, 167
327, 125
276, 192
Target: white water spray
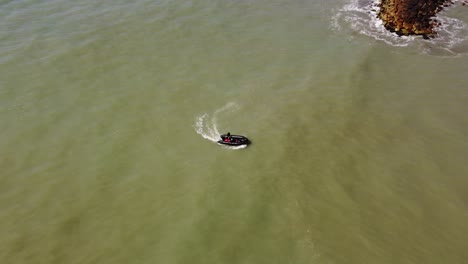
361, 16
206, 124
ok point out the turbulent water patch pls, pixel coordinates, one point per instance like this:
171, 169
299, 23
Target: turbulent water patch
360, 16
206, 125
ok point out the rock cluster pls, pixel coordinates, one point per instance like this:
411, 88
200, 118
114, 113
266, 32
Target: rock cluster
411, 17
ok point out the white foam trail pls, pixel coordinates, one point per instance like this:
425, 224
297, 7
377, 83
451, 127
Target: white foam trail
203, 128
206, 124
235, 147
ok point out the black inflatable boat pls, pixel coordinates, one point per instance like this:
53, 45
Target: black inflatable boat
233, 140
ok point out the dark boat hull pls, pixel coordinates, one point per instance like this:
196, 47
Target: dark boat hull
236, 140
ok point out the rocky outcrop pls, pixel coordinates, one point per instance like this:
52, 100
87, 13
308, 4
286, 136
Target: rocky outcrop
411, 17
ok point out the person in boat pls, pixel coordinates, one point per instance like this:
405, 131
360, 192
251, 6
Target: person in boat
228, 137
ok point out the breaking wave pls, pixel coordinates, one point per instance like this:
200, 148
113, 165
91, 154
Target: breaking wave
361, 16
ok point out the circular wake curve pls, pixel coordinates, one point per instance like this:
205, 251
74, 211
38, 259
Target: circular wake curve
207, 129
206, 124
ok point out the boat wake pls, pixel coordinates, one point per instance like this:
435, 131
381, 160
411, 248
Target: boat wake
206, 124
361, 16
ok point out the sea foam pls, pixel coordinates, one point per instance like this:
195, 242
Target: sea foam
361, 16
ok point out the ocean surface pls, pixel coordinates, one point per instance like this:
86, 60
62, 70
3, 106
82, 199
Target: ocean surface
110, 112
